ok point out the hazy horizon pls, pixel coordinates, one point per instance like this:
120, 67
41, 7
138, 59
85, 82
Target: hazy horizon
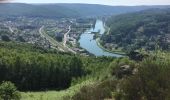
102, 2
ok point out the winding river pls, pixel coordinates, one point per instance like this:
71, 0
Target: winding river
87, 42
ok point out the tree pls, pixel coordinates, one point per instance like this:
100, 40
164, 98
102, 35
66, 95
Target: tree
5, 38
137, 56
8, 91
76, 67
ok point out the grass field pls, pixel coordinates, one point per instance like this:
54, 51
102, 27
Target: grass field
54, 95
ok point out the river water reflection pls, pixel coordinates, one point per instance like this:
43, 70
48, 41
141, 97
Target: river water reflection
87, 42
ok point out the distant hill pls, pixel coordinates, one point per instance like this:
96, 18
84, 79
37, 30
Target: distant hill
148, 29
66, 10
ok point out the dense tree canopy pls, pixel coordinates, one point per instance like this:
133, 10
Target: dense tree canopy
33, 68
147, 29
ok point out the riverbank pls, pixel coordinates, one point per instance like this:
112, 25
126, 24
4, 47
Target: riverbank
111, 51
107, 31
88, 42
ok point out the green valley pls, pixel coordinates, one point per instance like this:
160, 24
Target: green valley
84, 52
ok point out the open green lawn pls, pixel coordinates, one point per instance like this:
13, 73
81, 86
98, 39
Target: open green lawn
48, 95
54, 95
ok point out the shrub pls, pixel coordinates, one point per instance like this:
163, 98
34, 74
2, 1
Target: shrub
8, 91
97, 91
150, 83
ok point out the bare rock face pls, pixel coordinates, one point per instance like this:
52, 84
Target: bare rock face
125, 67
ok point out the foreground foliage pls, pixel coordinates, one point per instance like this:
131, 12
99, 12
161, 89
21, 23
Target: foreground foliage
8, 91
88, 78
145, 80
32, 68
150, 83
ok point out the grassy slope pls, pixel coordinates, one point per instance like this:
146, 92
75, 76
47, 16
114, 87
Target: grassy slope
54, 95
113, 88
97, 67
99, 73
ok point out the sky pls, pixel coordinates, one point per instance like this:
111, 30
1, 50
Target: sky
105, 2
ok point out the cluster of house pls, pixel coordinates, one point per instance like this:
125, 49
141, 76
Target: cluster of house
23, 30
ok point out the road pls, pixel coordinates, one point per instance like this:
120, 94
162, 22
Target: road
11, 30
54, 42
65, 37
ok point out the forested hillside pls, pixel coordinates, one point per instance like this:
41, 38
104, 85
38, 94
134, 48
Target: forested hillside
33, 68
31, 72
149, 30
66, 10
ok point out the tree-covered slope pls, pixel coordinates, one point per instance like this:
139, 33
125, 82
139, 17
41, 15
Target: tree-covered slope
33, 68
149, 30
66, 10
15, 9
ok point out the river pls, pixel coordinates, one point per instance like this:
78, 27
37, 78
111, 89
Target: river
87, 42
